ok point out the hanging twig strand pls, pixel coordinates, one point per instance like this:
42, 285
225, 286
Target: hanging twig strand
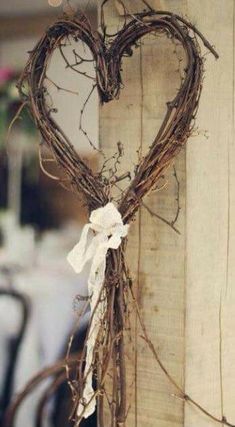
109, 356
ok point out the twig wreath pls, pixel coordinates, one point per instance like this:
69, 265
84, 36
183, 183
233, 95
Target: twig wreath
110, 288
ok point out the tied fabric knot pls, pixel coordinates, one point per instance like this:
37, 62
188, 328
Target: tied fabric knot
107, 225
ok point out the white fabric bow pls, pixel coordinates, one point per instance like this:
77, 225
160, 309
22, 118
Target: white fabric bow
109, 229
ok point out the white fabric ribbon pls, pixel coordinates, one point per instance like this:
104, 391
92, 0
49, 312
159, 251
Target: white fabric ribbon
108, 228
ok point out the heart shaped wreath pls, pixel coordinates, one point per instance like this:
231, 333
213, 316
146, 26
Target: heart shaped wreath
104, 352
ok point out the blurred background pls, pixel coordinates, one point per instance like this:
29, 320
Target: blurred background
39, 221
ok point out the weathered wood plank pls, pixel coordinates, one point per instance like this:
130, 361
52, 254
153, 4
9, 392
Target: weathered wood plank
156, 253
210, 306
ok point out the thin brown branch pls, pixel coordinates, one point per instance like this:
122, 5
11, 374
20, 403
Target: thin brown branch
15, 118
177, 197
161, 218
81, 128
73, 67
183, 395
61, 88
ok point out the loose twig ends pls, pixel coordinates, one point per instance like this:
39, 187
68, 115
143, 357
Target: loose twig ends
107, 52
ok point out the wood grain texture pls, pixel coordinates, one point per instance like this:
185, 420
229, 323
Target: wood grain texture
192, 274
155, 252
210, 304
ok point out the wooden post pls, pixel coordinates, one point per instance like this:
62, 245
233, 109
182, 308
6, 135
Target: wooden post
210, 215
185, 284
156, 252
